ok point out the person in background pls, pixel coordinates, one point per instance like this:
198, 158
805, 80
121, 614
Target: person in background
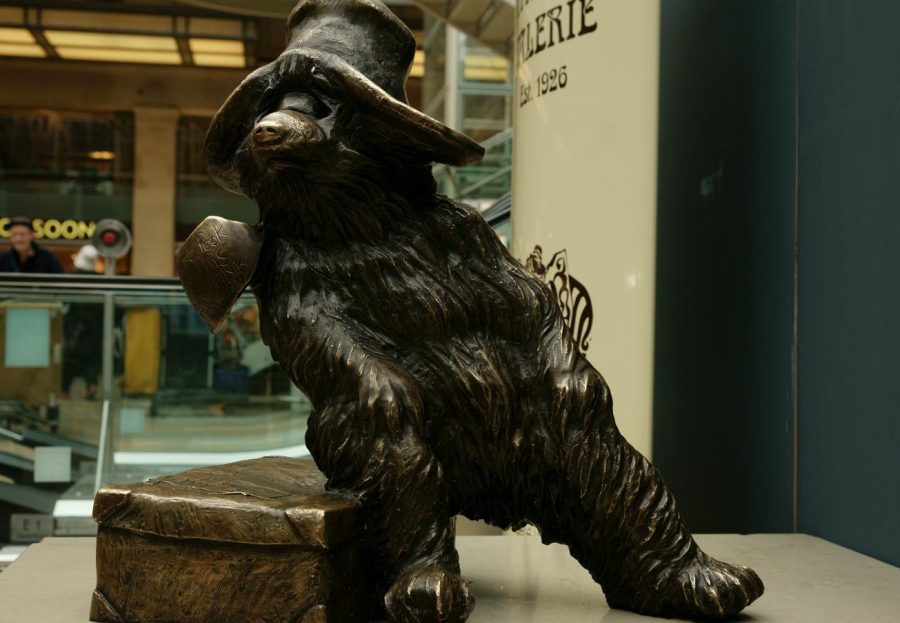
83, 346
26, 256
87, 260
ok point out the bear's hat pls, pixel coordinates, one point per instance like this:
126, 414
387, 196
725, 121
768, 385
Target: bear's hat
360, 50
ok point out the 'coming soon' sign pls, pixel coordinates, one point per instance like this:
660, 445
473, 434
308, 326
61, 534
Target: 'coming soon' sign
55, 229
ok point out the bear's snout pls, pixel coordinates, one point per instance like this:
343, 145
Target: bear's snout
285, 134
268, 132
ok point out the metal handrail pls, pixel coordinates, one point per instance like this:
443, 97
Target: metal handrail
501, 139
486, 180
101, 282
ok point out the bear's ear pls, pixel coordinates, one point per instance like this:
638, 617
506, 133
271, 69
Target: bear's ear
382, 121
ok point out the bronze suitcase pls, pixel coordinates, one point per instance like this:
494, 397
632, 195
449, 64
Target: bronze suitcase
258, 540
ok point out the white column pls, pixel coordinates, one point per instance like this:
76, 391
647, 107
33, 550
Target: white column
584, 178
451, 78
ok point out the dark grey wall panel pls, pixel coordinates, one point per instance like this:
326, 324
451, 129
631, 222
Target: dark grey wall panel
723, 403
849, 375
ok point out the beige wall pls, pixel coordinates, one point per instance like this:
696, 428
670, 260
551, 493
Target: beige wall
157, 96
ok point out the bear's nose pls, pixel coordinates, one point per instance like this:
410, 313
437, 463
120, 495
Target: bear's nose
268, 132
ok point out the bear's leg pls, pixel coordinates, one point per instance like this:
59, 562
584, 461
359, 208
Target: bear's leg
401, 486
627, 531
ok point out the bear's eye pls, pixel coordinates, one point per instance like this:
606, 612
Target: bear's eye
305, 104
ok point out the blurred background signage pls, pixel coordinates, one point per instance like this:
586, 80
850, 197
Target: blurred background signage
55, 229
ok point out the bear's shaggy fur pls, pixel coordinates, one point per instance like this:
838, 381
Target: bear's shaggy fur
443, 377
445, 382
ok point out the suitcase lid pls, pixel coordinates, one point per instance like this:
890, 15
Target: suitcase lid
272, 500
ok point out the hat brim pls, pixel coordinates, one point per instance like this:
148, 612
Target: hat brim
427, 138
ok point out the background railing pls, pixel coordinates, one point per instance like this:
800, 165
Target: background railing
486, 181
179, 397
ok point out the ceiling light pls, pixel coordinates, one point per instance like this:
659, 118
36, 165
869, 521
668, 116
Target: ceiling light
485, 75
217, 46
497, 62
483, 68
220, 60
101, 155
22, 49
418, 66
119, 56
16, 35
97, 40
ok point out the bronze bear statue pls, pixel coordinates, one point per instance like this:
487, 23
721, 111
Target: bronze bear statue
443, 377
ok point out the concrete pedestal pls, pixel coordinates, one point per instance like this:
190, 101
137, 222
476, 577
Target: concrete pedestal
516, 579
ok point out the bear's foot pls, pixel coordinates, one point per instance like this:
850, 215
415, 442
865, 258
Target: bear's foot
703, 589
430, 595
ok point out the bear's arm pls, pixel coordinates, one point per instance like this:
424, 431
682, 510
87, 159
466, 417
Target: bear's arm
334, 359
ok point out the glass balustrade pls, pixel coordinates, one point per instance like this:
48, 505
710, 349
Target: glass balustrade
108, 380
485, 181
